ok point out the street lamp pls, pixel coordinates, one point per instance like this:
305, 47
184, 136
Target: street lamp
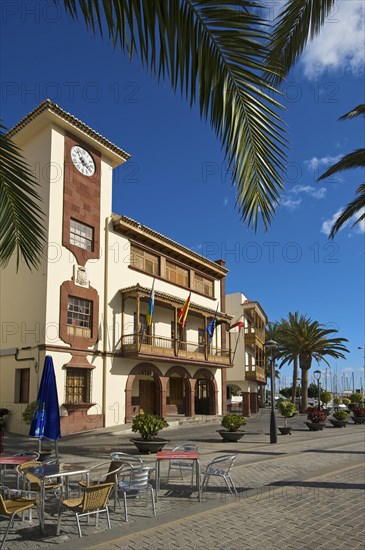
272, 345
317, 376
363, 379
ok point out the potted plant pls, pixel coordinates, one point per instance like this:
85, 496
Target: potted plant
316, 419
326, 397
346, 401
287, 409
355, 400
148, 425
340, 419
232, 423
358, 414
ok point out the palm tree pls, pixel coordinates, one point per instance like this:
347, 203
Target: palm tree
288, 352
21, 229
309, 339
356, 159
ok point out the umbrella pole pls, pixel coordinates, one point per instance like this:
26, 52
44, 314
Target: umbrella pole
56, 448
39, 445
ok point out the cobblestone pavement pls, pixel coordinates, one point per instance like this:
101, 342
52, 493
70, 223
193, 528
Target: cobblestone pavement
305, 492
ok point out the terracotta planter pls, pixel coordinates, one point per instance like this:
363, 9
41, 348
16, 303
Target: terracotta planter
358, 419
231, 436
285, 430
149, 447
315, 426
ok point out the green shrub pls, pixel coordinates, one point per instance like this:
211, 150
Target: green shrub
338, 401
232, 422
346, 401
326, 397
356, 397
341, 415
287, 409
29, 412
148, 425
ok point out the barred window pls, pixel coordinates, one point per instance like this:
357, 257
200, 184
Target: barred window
143, 260
177, 275
78, 385
81, 235
79, 317
203, 285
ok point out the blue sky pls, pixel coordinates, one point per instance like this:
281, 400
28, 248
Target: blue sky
177, 181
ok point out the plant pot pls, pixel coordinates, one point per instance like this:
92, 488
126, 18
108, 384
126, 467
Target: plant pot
285, 430
149, 447
315, 426
231, 436
338, 423
358, 419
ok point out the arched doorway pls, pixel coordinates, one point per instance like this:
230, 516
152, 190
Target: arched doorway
178, 391
144, 391
206, 393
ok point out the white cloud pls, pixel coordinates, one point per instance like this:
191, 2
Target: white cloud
315, 192
316, 163
358, 228
340, 43
291, 204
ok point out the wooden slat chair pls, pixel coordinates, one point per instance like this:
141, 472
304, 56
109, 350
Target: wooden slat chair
93, 501
31, 482
106, 472
10, 507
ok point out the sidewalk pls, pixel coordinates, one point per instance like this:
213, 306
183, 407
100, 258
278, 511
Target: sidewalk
305, 491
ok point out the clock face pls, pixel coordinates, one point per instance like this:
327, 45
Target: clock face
82, 160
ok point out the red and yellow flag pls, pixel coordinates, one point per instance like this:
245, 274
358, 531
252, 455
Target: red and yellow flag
183, 312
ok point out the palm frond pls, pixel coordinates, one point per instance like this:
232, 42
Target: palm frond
300, 21
21, 230
356, 159
212, 51
357, 111
351, 209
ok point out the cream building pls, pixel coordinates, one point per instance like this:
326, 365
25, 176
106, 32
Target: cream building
248, 372
87, 304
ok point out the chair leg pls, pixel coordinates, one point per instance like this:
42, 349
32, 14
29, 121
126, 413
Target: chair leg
233, 485
59, 518
108, 518
78, 524
153, 501
205, 483
228, 485
125, 507
7, 531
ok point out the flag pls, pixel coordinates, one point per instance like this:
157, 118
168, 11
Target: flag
213, 323
240, 326
183, 312
152, 305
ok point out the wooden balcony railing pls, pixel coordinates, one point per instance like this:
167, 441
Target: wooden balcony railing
255, 374
163, 347
252, 335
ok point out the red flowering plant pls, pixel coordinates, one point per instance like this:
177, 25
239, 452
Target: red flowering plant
315, 415
359, 412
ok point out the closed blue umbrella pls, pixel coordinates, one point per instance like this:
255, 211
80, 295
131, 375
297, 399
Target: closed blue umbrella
46, 418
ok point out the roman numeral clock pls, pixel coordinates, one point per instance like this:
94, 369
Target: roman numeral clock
82, 160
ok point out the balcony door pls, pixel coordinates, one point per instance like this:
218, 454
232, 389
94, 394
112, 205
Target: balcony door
202, 396
177, 393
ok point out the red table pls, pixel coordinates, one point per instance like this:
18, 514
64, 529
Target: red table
13, 461
178, 455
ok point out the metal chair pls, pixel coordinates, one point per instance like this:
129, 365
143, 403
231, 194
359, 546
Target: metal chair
93, 501
126, 457
9, 473
220, 467
32, 482
10, 507
182, 465
107, 472
138, 483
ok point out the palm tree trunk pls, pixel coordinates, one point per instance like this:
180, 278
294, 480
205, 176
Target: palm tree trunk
295, 378
304, 404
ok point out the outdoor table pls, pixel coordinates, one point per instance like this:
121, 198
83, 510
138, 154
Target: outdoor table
178, 455
47, 472
12, 461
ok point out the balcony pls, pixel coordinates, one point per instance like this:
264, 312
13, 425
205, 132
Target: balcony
160, 348
255, 374
254, 336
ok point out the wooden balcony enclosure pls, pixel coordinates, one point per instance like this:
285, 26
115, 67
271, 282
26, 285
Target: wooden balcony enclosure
161, 348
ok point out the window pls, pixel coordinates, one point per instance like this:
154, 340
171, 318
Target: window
203, 285
142, 327
79, 317
143, 260
176, 274
201, 340
81, 235
22, 378
77, 386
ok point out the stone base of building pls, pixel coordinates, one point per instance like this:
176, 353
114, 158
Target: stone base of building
80, 421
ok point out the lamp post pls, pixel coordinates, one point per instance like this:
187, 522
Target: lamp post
272, 345
317, 376
363, 379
